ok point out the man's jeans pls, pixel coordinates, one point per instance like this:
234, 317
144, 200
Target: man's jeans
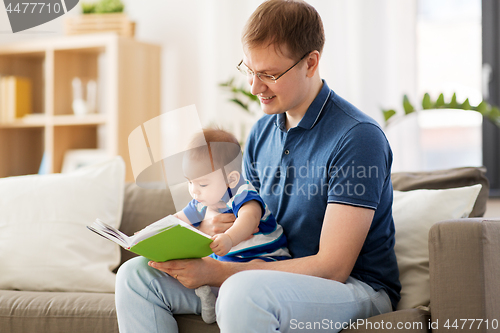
251, 301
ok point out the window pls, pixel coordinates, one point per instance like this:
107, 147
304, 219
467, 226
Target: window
448, 62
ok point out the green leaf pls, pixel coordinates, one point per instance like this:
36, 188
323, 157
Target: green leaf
482, 108
109, 6
426, 102
494, 115
407, 105
466, 105
488, 111
240, 103
453, 104
388, 114
240, 95
249, 94
226, 84
440, 101
88, 8
495, 112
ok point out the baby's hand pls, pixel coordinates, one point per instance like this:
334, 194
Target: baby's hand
221, 245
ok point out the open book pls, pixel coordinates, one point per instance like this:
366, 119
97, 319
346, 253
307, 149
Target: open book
163, 240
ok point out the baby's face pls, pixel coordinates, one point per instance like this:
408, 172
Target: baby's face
208, 189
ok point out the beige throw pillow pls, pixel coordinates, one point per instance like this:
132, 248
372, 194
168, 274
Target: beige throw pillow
414, 213
44, 242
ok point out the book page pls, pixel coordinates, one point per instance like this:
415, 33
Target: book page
127, 242
111, 233
154, 228
167, 222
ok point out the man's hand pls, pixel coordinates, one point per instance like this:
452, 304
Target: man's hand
193, 273
218, 224
222, 244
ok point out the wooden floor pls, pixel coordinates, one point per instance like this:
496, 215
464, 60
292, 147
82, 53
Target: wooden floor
493, 208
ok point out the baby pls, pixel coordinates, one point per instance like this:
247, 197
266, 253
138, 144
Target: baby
213, 169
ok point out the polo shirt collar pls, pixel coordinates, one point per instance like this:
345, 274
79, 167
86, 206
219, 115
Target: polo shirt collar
313, 112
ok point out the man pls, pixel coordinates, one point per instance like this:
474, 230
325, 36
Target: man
323, 168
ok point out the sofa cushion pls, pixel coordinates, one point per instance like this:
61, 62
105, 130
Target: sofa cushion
44, 242
51, 312
448, 178
194, 324
414, 214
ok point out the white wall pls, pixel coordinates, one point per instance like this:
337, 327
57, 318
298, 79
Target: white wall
369, 56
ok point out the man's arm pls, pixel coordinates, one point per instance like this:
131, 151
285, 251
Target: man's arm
342, 236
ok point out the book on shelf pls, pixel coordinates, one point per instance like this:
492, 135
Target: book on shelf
15, 98
166, 239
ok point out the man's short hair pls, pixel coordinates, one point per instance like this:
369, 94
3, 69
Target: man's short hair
217, 149
291, 23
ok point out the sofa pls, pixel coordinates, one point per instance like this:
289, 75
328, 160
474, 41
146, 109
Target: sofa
463, 265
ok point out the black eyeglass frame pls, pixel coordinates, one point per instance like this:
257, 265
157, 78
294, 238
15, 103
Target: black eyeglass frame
271, 77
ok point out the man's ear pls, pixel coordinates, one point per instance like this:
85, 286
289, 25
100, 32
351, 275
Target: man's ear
233, 178
312, 62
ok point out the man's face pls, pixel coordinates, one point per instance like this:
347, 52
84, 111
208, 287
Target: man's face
289, 93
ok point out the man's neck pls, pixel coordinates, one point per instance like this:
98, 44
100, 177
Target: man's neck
292, 119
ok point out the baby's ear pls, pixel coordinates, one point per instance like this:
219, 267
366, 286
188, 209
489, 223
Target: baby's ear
233, 178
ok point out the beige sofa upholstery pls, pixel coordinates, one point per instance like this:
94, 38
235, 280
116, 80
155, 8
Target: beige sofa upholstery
464, 272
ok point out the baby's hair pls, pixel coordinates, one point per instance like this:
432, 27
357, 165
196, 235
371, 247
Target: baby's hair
219, 147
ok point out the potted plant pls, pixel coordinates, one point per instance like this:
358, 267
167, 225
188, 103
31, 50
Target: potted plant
247, 102
485, 109
241, 96
441, 134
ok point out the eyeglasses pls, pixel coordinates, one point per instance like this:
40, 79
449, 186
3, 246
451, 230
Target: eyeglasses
266, 78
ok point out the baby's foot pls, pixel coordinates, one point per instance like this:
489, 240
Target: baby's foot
207, 303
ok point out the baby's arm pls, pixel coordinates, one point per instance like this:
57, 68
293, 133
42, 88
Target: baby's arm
181, 216
244, 226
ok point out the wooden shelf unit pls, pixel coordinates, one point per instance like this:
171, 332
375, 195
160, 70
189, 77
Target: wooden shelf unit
128, 76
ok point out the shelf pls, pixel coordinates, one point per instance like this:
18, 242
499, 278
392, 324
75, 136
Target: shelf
127, 73
59, 120
70, 64
80, 42
29, 65
26, 122
74, 120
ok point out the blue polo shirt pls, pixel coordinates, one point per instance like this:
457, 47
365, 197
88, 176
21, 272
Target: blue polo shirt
336, 154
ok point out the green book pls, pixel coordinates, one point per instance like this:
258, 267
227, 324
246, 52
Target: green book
163, 240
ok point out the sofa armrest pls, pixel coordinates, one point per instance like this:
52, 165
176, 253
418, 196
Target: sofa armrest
464, 265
